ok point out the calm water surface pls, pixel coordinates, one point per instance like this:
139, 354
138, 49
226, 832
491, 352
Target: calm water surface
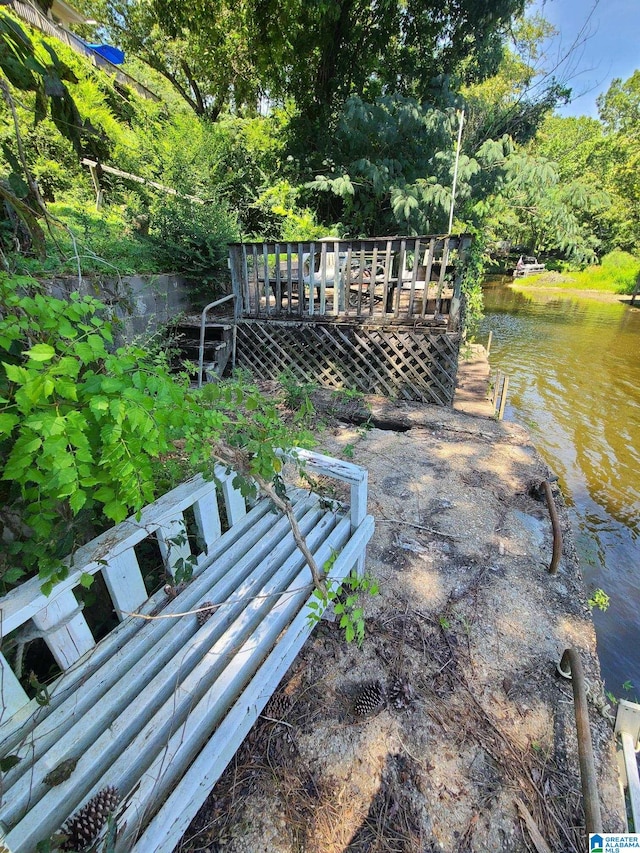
574, 368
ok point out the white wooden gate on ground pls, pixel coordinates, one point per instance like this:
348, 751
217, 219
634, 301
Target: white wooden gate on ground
160, 705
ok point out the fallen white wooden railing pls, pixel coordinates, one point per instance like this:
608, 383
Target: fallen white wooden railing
160, 705
628, 730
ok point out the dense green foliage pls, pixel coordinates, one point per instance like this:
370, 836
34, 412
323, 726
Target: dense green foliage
82, 423
364, 141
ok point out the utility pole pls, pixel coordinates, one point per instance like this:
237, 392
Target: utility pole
455, 170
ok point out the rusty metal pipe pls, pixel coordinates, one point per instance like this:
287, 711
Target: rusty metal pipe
555, 526
571, 667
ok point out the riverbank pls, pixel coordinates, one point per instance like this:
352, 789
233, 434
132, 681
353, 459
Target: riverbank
542, 286
475, 730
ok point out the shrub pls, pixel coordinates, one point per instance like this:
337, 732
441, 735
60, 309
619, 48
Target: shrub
617, 273
191, 238
81, 424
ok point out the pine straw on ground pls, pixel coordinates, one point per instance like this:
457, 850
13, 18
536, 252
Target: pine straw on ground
316, 812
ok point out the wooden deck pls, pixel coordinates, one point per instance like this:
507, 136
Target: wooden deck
379, 315
382, 279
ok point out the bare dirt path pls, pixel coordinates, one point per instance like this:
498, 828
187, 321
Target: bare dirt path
469, 725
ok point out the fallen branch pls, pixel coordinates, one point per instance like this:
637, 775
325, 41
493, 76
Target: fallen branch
239, 461
532, 828
418, 527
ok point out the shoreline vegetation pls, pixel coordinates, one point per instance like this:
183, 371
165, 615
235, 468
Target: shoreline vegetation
612, 279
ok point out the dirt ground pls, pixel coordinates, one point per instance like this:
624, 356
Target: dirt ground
472, 728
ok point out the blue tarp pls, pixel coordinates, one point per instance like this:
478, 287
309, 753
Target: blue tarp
113, 54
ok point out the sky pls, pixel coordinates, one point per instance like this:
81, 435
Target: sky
609, 45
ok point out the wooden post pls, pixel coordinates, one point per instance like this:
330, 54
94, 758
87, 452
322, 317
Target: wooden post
235, 265
494, 396
490, 339
503, 397
93, 168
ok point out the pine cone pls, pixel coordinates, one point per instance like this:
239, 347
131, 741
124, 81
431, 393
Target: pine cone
277, 707
401, 693
203, 615
370, 699
82, 828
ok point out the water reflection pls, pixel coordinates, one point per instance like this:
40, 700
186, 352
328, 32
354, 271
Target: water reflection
575, 383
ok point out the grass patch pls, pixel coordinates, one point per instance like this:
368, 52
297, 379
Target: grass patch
105, 242
617, 273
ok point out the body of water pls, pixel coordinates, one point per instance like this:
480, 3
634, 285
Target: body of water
574, 368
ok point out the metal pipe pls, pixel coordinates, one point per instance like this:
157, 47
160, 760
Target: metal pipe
570, 667
203, 320
555, 526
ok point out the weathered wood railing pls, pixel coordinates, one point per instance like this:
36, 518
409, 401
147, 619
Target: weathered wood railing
33, 16
378, 279
158, 707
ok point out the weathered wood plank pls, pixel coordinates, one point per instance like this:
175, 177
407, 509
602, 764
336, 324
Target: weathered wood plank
233, 501
323, 278
414, 275
245, 306
12, 696
174, 545
401, 255
340, 282
278, 280
142, 728
387, 275
443, 273
125, 584
207, 519
168, 826
301, 285
289, 277
373, 280
64, 629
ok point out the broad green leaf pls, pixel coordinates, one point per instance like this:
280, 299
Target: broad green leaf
15, 373
7, 423
77, 501
41, 352
13, 574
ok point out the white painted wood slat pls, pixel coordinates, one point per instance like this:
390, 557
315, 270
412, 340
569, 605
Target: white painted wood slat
173, 819
208, 519
141, 677
124, 581
108, 660
162, 776
233, 501
12, 696
20, 604
633, 778
187, 684
65, 630
174, 544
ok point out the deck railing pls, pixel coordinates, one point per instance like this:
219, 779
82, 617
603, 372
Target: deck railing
381, 279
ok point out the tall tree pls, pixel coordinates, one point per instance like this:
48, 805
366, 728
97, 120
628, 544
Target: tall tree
222, 53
